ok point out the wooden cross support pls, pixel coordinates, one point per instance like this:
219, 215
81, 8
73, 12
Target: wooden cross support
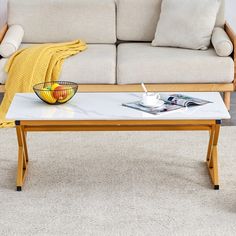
22, 156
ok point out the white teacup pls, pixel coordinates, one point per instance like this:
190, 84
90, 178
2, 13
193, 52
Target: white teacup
150, 99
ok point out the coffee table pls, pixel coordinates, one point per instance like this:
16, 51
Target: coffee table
104, 112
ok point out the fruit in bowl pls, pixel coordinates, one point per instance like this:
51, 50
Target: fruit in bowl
56, 92
46, 95
60, 92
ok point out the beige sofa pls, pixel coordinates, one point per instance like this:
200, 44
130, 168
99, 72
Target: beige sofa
120, 55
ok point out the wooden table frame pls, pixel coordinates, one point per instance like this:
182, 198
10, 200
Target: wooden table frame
213, 126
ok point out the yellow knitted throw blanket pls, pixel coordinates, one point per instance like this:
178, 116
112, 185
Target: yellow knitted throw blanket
37, 64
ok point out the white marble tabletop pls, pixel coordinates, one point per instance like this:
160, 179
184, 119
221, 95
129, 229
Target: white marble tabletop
108, 106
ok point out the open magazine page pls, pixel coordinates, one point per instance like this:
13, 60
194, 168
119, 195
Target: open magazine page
182, 100
152, 110
172, 102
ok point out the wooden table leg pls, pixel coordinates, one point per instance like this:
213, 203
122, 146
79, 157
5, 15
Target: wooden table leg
24, 136
22, 128
22, 157
210, 145
212, 155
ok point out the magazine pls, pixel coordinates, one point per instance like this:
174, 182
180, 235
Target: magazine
172, 102
183, 100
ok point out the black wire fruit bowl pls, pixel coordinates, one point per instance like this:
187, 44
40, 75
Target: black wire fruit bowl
55, 92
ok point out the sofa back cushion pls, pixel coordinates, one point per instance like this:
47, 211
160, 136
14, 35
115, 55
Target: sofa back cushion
63, 20
137, 19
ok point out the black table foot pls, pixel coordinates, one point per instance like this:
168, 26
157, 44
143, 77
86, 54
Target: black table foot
216, 187
18, 188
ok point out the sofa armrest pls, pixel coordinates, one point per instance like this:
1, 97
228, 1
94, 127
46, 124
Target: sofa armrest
3, 31
221, 42
232, 35
11, 41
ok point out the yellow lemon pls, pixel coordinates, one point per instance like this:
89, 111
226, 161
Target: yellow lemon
54, 86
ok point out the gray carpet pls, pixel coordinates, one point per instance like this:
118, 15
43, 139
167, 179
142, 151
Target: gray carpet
118, 184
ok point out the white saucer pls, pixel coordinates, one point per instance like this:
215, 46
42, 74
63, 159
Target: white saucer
159, 103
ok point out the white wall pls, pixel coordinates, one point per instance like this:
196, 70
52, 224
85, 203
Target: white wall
231, 12
3, 12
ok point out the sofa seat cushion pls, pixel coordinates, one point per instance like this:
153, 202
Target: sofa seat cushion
96, 65
140, 62
3, 74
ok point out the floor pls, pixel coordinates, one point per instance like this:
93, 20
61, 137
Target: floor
231, 122
97, 183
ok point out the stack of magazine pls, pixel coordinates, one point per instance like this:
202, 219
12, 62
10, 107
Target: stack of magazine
172, 102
